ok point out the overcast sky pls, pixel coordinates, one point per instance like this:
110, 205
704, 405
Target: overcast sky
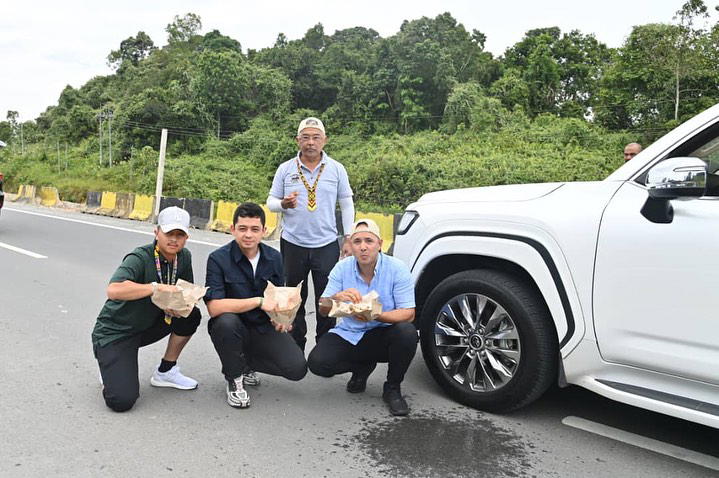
45, 45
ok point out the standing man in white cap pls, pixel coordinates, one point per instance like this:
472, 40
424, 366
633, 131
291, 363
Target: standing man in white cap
129, 320
306, 190
357, 344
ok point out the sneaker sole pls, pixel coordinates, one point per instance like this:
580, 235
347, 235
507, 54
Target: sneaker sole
159, 383
238, 405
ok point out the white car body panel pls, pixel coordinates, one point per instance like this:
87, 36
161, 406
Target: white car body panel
640, 294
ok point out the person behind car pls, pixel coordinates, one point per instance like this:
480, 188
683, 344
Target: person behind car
356, 345
631, 150
129, 320
244, 336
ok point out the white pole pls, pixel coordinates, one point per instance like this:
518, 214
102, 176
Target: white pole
160, 173
109, 146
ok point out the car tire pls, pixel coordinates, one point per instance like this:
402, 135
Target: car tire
510, 356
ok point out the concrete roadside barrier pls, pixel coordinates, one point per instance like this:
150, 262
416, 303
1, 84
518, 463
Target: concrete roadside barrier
272, 222
26, 193
386, 226
49, 196
200, 212
124, 203
107, 203
223, 217
166, 202
92, 202
16, 196
143, 207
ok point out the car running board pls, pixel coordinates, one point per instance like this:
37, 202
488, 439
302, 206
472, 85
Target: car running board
677, 400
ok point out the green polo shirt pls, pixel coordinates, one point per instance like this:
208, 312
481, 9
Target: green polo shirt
119, 319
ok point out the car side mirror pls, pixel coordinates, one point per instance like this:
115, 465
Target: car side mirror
677, 177
671, 179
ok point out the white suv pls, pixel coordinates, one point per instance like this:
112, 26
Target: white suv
611, 285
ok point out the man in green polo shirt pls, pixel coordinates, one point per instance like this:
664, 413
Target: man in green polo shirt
129, 320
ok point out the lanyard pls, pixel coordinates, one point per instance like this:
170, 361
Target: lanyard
171, 278
311, 190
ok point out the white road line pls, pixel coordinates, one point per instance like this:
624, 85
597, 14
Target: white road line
104, 225
640, 441
22, 251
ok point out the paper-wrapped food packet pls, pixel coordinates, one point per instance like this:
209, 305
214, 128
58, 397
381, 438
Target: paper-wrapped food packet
368, 308
288, 302
181, 300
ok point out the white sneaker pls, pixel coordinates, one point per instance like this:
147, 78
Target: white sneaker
173, 379
251, 379
237, 396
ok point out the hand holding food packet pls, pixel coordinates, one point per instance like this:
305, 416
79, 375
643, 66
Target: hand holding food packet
181, 300
288, 301
367, 309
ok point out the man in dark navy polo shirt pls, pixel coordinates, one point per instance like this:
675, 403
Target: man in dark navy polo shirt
244, 336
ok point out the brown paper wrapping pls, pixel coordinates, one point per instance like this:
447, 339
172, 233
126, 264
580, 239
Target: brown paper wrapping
288, 302
368, 308
181, 300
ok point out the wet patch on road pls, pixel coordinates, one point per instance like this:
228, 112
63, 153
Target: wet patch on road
457, 442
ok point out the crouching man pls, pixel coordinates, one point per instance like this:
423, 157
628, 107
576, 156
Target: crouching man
356, 345
245, 337
129, 320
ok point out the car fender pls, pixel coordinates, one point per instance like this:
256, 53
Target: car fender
541, 259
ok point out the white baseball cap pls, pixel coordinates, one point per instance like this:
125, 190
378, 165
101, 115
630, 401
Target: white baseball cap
172, 218
310, 122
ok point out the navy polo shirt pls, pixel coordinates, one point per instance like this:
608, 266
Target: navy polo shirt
230, 276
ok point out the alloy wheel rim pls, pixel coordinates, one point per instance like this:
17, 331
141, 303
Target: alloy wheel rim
477, 342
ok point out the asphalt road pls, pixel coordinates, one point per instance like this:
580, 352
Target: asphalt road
54, 422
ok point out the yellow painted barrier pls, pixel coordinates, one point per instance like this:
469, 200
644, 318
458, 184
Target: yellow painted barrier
385, 223
26, 193
143, 208
272, 222
107, 203
223, 218
49, 196
18, 196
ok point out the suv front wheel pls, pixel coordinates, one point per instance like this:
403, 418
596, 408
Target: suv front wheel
488, 340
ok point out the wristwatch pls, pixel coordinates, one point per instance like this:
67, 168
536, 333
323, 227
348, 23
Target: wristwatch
154, 287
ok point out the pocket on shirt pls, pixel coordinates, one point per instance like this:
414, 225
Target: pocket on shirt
237, 287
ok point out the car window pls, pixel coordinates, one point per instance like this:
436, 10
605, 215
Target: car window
709, 152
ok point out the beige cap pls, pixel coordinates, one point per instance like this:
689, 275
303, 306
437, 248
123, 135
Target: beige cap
310, 123
366, 225
172, 218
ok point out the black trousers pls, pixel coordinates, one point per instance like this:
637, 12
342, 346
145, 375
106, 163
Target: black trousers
118, 360
395, 345
299, 262
243, 347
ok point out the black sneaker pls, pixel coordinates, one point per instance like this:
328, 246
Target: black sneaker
358, 381
393, 397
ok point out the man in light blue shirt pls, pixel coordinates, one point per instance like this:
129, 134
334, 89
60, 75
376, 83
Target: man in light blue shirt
306, 190
355, 344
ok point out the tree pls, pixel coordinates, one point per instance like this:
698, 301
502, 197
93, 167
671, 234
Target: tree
215, 40
561, 71
182, 29
12, 119
663, 74
132, 50
418, 67
682, 58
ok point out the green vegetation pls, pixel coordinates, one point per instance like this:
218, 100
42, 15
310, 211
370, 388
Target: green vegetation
422, 110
